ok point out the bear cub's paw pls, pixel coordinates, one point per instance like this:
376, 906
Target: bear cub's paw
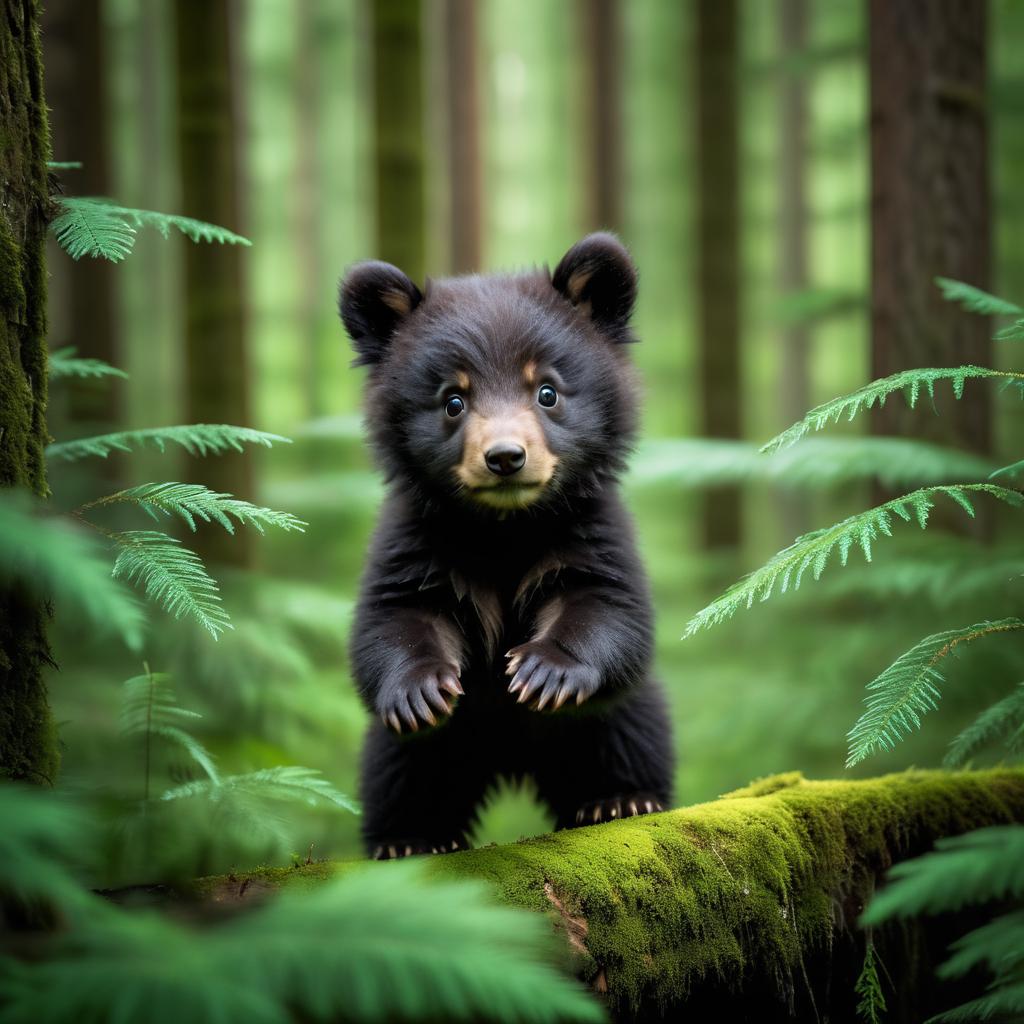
618, 807
424, 693
416, 847
546, 676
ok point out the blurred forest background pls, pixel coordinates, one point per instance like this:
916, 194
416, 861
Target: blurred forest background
729, 143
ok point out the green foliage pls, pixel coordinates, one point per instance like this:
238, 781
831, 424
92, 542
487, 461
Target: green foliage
173, 577
196, 438
974, 300
812, 551
911, 382
54, 559
1015, 332
93, 226
64, 363
192, 501
64, 165
995, 722
871, 1005
909, 689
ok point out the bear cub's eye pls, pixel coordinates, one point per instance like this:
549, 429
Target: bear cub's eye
454, 406
547, 396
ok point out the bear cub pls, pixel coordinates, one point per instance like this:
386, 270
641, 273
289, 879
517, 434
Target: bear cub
504, 623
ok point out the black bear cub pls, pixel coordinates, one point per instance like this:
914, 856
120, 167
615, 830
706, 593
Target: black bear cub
504, 621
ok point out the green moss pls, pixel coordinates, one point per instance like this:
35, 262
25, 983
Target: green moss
742, 886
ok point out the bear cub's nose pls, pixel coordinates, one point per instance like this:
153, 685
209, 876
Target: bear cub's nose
505, 459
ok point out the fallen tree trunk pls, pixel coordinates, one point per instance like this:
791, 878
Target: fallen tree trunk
747, 904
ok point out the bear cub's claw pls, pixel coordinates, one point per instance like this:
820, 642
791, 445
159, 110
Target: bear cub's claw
546, 676
618, 807
426, 693
395, 851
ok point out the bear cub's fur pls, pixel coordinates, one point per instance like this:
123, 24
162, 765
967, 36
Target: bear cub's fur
504, 622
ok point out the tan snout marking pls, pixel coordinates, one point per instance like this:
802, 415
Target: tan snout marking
508, 425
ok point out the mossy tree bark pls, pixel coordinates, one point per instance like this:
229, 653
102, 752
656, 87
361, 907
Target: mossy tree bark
399, 154
217, 384
28, 742
716, 56
747, 905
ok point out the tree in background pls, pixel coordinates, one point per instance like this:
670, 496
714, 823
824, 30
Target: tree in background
462, 100
400, 157
28, 740
602, 97
716, 57
930, 204
216, 354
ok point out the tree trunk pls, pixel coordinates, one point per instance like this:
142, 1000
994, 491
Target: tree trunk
747, 905
930, 209
76, 62
399, 146
601, 24
465, 173
794, 376
28, 741
216, 355
718, 248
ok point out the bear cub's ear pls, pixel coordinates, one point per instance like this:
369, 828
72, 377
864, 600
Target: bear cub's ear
597, 276
374, 299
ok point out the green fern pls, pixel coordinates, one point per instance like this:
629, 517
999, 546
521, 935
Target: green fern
149, 707
195, 438
284, 782
974, 300
93, 226
192, 501
1015, 332
871, 1006
1005, 716
173, 577
64, 363
911, 382
55, 560
812, 551
909, 689
1011, 470
64, 165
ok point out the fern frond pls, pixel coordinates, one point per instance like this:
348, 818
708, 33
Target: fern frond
288, 783
974, 300
911, 382
993, 723
192, 501
1015, 332
979, 866
998, 945
820, 462
149, 707
53, 559
812, 551
173, 577
1005, 1003
871, 1006
64, 165
64, 363
94, 226
909, 689
195, 438
91, 229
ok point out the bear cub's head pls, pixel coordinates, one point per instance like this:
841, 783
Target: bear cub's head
509, 392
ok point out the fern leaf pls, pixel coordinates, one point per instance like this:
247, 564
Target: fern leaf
192, 501
979, 866
786, 569
993, 723
285, 782
92, 229
1015, 332
94, 226
196, 438
56, 561
909, 688
998, 945
875, 393
974, 300
64, 363
871, 1006
1004, 1003
64, 165
172, 576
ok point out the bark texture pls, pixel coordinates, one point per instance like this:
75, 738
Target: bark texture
28, 741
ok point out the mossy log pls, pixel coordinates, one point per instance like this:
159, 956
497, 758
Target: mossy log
748, 903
